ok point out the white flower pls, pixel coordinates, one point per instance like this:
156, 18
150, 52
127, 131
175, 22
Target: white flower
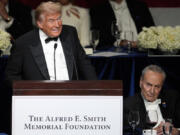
163, 38
5, 40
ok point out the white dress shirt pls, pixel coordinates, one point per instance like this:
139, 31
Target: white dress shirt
48, 49
154, 106
124, 19
3, 24
80, 19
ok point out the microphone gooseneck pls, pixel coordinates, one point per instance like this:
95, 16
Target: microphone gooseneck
55, 46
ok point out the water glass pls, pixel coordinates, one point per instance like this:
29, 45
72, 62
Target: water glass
128, 37
116, 33
167, 127
94, 39
133, 119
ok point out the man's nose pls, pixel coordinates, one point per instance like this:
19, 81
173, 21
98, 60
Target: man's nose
57, 23
152, 90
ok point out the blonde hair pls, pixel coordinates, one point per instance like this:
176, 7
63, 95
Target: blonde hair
48, 7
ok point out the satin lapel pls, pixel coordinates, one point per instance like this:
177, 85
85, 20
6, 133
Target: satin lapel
163, 107
142, 110
67, 48
38, 55
109, 12
133, 12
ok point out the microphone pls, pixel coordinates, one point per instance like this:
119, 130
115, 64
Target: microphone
55, 46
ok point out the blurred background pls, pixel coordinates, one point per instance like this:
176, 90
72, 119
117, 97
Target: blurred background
164, 12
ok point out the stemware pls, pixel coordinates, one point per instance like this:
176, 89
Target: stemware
133, 120
151, 119
128, 37
116, 33
94, 38
167, 127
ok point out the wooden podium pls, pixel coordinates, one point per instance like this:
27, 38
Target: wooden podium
95, 87
67, 107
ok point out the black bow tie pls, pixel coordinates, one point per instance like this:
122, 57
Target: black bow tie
47, 40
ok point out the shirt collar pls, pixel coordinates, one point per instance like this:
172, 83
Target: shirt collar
156, 102
43, 35
117, 6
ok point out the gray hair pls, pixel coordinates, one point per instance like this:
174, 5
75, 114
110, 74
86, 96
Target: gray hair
154, 68
48, 7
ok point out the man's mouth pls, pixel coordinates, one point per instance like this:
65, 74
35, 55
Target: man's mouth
150, 95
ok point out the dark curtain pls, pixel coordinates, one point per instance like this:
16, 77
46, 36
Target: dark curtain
90, 3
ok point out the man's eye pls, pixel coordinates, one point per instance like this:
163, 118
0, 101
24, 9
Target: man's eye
148, 84
157, 86
51, 20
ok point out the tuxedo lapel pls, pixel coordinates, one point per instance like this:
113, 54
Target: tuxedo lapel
109, 12
66, 45
133, 12
38, 55
163, 106
142, 110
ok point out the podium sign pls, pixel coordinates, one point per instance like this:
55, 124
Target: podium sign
66, 114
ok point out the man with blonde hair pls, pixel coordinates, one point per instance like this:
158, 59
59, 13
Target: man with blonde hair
51, 52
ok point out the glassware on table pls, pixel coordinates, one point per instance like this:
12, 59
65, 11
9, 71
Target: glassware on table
133, 120
151, 119
116, 33
128, 37
94, 38
167, 127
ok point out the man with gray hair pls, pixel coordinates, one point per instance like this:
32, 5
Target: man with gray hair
165, 102
50, 52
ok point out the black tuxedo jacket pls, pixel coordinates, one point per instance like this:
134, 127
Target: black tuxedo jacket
170, 107
103, 15
22, 18
27, 60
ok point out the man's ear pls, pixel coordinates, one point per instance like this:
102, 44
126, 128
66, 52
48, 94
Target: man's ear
140, 82
39, 24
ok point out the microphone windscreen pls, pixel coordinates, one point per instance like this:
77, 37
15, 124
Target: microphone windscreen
55, 45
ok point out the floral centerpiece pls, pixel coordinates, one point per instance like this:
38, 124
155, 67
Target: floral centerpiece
5, 40
167, 39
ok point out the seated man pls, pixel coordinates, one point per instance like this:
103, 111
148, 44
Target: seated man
5, 20
152, 97
16, 22
128, 15
79, 18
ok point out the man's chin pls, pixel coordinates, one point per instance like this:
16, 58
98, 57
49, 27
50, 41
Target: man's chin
55, 34
150, 99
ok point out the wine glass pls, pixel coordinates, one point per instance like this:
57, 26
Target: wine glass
128, 37
133, 119
116, 33
167, 127
151, 119
94, 38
